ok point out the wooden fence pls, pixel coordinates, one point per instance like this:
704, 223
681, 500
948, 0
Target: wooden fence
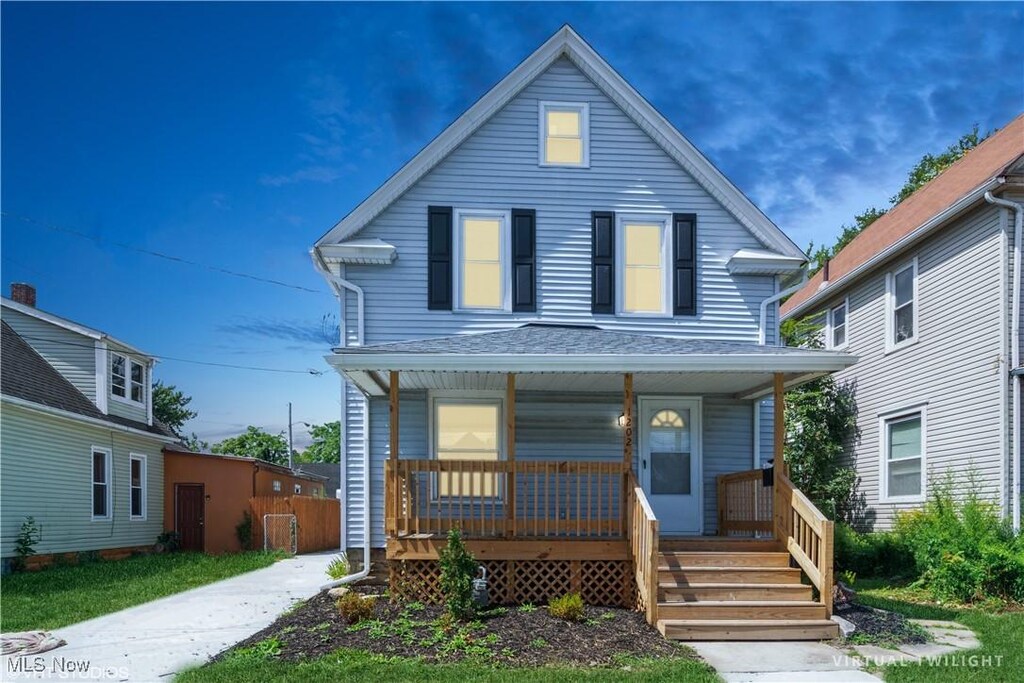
318, 520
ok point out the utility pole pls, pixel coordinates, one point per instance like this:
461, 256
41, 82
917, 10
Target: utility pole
289, 435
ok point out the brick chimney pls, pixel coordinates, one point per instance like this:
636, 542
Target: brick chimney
23, 293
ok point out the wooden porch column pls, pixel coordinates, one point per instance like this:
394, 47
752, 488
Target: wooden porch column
510, 477
391, 483
627, 446
393, 391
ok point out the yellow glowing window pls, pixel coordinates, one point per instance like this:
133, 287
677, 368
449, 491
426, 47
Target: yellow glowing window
467, 431
480, 283
644, 268
564, 139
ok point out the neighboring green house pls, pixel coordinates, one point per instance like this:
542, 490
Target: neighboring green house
79, 448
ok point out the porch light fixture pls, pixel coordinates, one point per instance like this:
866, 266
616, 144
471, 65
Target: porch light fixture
622, 420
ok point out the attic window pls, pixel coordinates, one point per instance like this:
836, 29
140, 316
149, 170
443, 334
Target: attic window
127, 378
565, 134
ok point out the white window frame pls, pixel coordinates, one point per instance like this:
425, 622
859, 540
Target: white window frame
108, 474
298, 489
542, 132
144, 474
830, 326
436, 398
128, 362
504, 256
665, 219
276, 486
890, 307
884, 421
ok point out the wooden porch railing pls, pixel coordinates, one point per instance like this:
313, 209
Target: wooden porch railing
642, 531
748, 507
522, 498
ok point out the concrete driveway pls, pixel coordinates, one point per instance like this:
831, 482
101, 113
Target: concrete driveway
153, 641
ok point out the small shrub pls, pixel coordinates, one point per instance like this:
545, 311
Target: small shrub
338, 567
354, 607
527, 608
568, 607
25, 543
877, 554
458, 568
168, 542
243, 530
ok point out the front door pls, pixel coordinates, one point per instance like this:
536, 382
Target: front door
189, 508
670, 464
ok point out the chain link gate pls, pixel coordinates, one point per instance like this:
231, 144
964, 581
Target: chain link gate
280, 532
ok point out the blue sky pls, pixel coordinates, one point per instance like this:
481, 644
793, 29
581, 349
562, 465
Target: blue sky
236, 134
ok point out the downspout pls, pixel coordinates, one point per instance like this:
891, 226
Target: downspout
338, 283
1018, 229
762, 328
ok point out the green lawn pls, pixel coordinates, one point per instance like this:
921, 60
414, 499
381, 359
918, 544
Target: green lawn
351, 665
1001, 634
59, 596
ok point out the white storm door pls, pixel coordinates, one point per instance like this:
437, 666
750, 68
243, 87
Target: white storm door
670, 462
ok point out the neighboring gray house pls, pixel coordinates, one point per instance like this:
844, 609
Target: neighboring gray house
558, 265
928, 298
79, 449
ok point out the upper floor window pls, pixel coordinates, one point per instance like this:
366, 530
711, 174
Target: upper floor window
901, 306
903, 454
836, 334
644, 275
127, 378
481, 257
564, 134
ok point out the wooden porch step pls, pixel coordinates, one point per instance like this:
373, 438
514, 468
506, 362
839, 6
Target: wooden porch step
672, 560
696, 592
742, 609
748, 629
718, 543
681, 576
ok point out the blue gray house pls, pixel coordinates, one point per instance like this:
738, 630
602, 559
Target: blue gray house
558, 330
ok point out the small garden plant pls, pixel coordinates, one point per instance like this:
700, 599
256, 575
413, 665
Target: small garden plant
568, 607
338, 567
243, 531
355, 608
458, 568
25, 543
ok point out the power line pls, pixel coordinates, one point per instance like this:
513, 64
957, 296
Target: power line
308, 371
157, 254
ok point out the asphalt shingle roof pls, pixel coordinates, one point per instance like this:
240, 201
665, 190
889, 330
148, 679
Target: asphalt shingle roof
27, 375
547, 339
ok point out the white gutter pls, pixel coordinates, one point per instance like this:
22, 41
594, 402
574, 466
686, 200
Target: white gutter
1018, 230
68, 415
762, 325
338, 283
934, 222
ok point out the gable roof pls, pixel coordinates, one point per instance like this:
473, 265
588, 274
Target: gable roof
566, 42
69, 325
29, 377
954, 190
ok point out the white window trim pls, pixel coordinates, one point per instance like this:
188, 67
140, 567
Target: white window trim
542, 133
462, 397
127, 398
108, 474
504, 256
298, 489
276, 486
144, 472
890, 308
665, 219
884, 420
829, 337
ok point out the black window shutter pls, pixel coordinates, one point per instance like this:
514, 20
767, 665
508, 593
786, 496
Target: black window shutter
684, 263
524, 260
602, 268
439, 258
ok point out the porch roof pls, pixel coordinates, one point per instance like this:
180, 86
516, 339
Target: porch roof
582, 358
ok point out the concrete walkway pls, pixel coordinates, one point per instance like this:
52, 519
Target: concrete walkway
782, 662
153, 641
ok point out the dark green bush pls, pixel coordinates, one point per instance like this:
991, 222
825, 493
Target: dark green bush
458, 568
881, 554
243, 530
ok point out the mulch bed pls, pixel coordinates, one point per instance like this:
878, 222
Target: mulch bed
507, 636
875, 625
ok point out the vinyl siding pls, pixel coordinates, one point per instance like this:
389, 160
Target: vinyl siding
72, 354
498, 167
953, 367
46, 472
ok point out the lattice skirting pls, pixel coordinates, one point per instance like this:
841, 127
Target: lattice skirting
514, 582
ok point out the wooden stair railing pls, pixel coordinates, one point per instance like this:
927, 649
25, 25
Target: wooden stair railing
642, 533
746, 506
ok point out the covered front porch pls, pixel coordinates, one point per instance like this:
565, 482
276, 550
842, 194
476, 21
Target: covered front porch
574, 459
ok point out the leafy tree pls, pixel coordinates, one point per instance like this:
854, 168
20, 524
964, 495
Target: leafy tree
170, 406
256, 443
194, 443
326, 445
